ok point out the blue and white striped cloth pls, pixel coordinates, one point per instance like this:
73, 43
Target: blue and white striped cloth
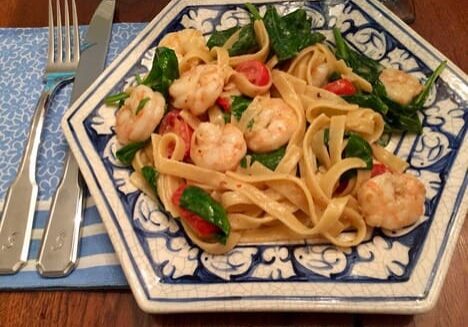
22, 62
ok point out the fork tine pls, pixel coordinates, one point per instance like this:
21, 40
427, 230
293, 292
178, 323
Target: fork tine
59, 33
67, 33
76, 35
50, 54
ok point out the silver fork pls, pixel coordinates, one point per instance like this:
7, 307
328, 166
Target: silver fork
20, 202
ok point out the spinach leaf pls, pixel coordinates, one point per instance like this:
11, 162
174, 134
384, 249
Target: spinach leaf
410, 123
368, 100
255, 14
218, 38
358, 147
418, 103
301, 25
227, 117
141, 105
201, 203
291, 33
326, 136
164, 71
239, 105
334, 77
269, 159
138, 79
151, 175
247, 42
114, 99
386, 136
126, 154
362, 65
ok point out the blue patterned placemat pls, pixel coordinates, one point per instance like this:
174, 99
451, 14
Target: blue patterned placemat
22, 62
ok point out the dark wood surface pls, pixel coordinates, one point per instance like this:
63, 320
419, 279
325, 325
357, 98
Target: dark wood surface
442, 23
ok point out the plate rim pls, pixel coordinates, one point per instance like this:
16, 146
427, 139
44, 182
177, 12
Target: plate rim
155, 306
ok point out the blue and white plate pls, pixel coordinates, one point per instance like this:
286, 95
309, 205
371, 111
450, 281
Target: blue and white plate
391, 272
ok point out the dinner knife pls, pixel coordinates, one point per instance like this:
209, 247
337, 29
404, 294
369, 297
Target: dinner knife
59, 249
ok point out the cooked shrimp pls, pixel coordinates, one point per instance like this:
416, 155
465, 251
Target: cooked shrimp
197, 89
272, 127
183, 41
392, 201
139, 115
319, 75
400, 86
217, 147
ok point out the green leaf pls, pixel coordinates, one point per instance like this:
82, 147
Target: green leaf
141, 105
362, 65
384, 139
334, 77
138, 79
291, 33
410, 123
227, 117
243, 162
359, 148
326, 136
218, 38
239, 105
368, 100
253, 11
300, 26
114, 99
247, 42
269, 159
164, 71
126, 154
198, 201
151, 175
418, 103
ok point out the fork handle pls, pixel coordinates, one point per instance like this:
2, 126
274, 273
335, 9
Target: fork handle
20, 202
59, 249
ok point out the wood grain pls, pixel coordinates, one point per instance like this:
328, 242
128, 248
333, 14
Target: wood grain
442, 23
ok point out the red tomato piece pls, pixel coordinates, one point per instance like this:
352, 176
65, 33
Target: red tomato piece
255, 71
173, 122
203, 228
378, 169
341, 87
224, 103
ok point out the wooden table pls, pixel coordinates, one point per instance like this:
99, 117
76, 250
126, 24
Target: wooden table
442, 23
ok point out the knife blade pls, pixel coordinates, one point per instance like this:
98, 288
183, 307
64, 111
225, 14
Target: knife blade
59, 249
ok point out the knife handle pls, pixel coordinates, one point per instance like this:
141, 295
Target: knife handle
20, 202
59, 249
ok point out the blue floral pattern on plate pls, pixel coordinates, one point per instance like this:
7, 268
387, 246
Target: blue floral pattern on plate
384, 258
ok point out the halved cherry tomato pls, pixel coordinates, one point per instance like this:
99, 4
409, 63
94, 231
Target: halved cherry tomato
224, 103
341, 87
255, 71
203, 228
378, 169
173, 122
